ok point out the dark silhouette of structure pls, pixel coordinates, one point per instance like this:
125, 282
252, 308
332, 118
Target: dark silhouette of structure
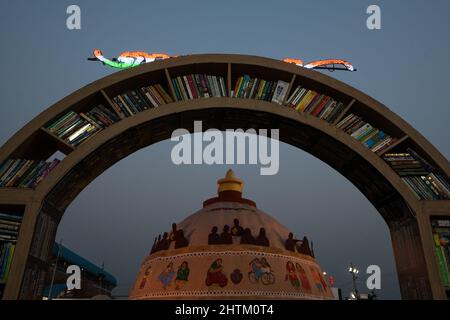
290, 242
225, 236
213, 237
236, 230
180, 240
262, 239
247, 237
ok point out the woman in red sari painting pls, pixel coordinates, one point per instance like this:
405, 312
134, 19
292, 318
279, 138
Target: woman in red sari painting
291, 274
303, 278
215, 274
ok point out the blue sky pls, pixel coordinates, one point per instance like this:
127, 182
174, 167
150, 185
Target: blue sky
404, 65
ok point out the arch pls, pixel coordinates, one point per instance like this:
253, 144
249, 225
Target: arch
407, 218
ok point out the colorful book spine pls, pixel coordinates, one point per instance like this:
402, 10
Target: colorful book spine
9, 231
260, 89
23, 173
315, 104
195, 86
370, 136
415, 174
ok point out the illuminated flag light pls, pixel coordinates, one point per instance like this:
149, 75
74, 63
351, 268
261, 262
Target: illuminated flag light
329, 64
129, 59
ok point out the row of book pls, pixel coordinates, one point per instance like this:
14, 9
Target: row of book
6, 255
420, 177
138, 100
441, 237
318, 105
44, 235
22, 173
75, 128
9, 227
194, 86
374, 139
9, 231
260, 89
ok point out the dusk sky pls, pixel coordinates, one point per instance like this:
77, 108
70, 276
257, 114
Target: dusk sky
405, 65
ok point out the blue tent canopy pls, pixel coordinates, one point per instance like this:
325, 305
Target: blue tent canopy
73, 258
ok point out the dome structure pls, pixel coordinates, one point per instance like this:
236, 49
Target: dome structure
230, 249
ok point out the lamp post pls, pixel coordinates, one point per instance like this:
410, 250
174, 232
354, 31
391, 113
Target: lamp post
326, 278
354, 272
54, 271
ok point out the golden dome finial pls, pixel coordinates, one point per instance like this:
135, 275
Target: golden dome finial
230, 183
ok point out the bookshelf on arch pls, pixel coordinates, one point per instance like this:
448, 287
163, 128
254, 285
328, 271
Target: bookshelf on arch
80, 124
424, 180
73, 127
287, 90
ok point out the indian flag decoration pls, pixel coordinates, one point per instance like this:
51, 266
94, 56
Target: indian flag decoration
329, 64
128, 59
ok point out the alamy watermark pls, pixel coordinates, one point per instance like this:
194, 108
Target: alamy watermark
73, 21
229, 147
374, 280
74, 279
373, 22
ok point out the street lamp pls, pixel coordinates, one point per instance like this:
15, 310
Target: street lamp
354, 272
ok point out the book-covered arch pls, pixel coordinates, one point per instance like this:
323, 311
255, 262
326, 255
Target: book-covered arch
407, 217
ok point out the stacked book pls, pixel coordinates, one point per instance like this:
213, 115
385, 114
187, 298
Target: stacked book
254, 88
6, 255
373, 138
420, 177
441, 237
75, 128
193, 86
9, 227
138, 100
9, 231
22, 173
315, 104
43, 238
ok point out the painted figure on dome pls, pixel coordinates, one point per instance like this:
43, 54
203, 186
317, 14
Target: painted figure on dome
215, 274
306, 286
182, 275
321, 285
260, 269
146, 276
236, 276
167, 275
291, 275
